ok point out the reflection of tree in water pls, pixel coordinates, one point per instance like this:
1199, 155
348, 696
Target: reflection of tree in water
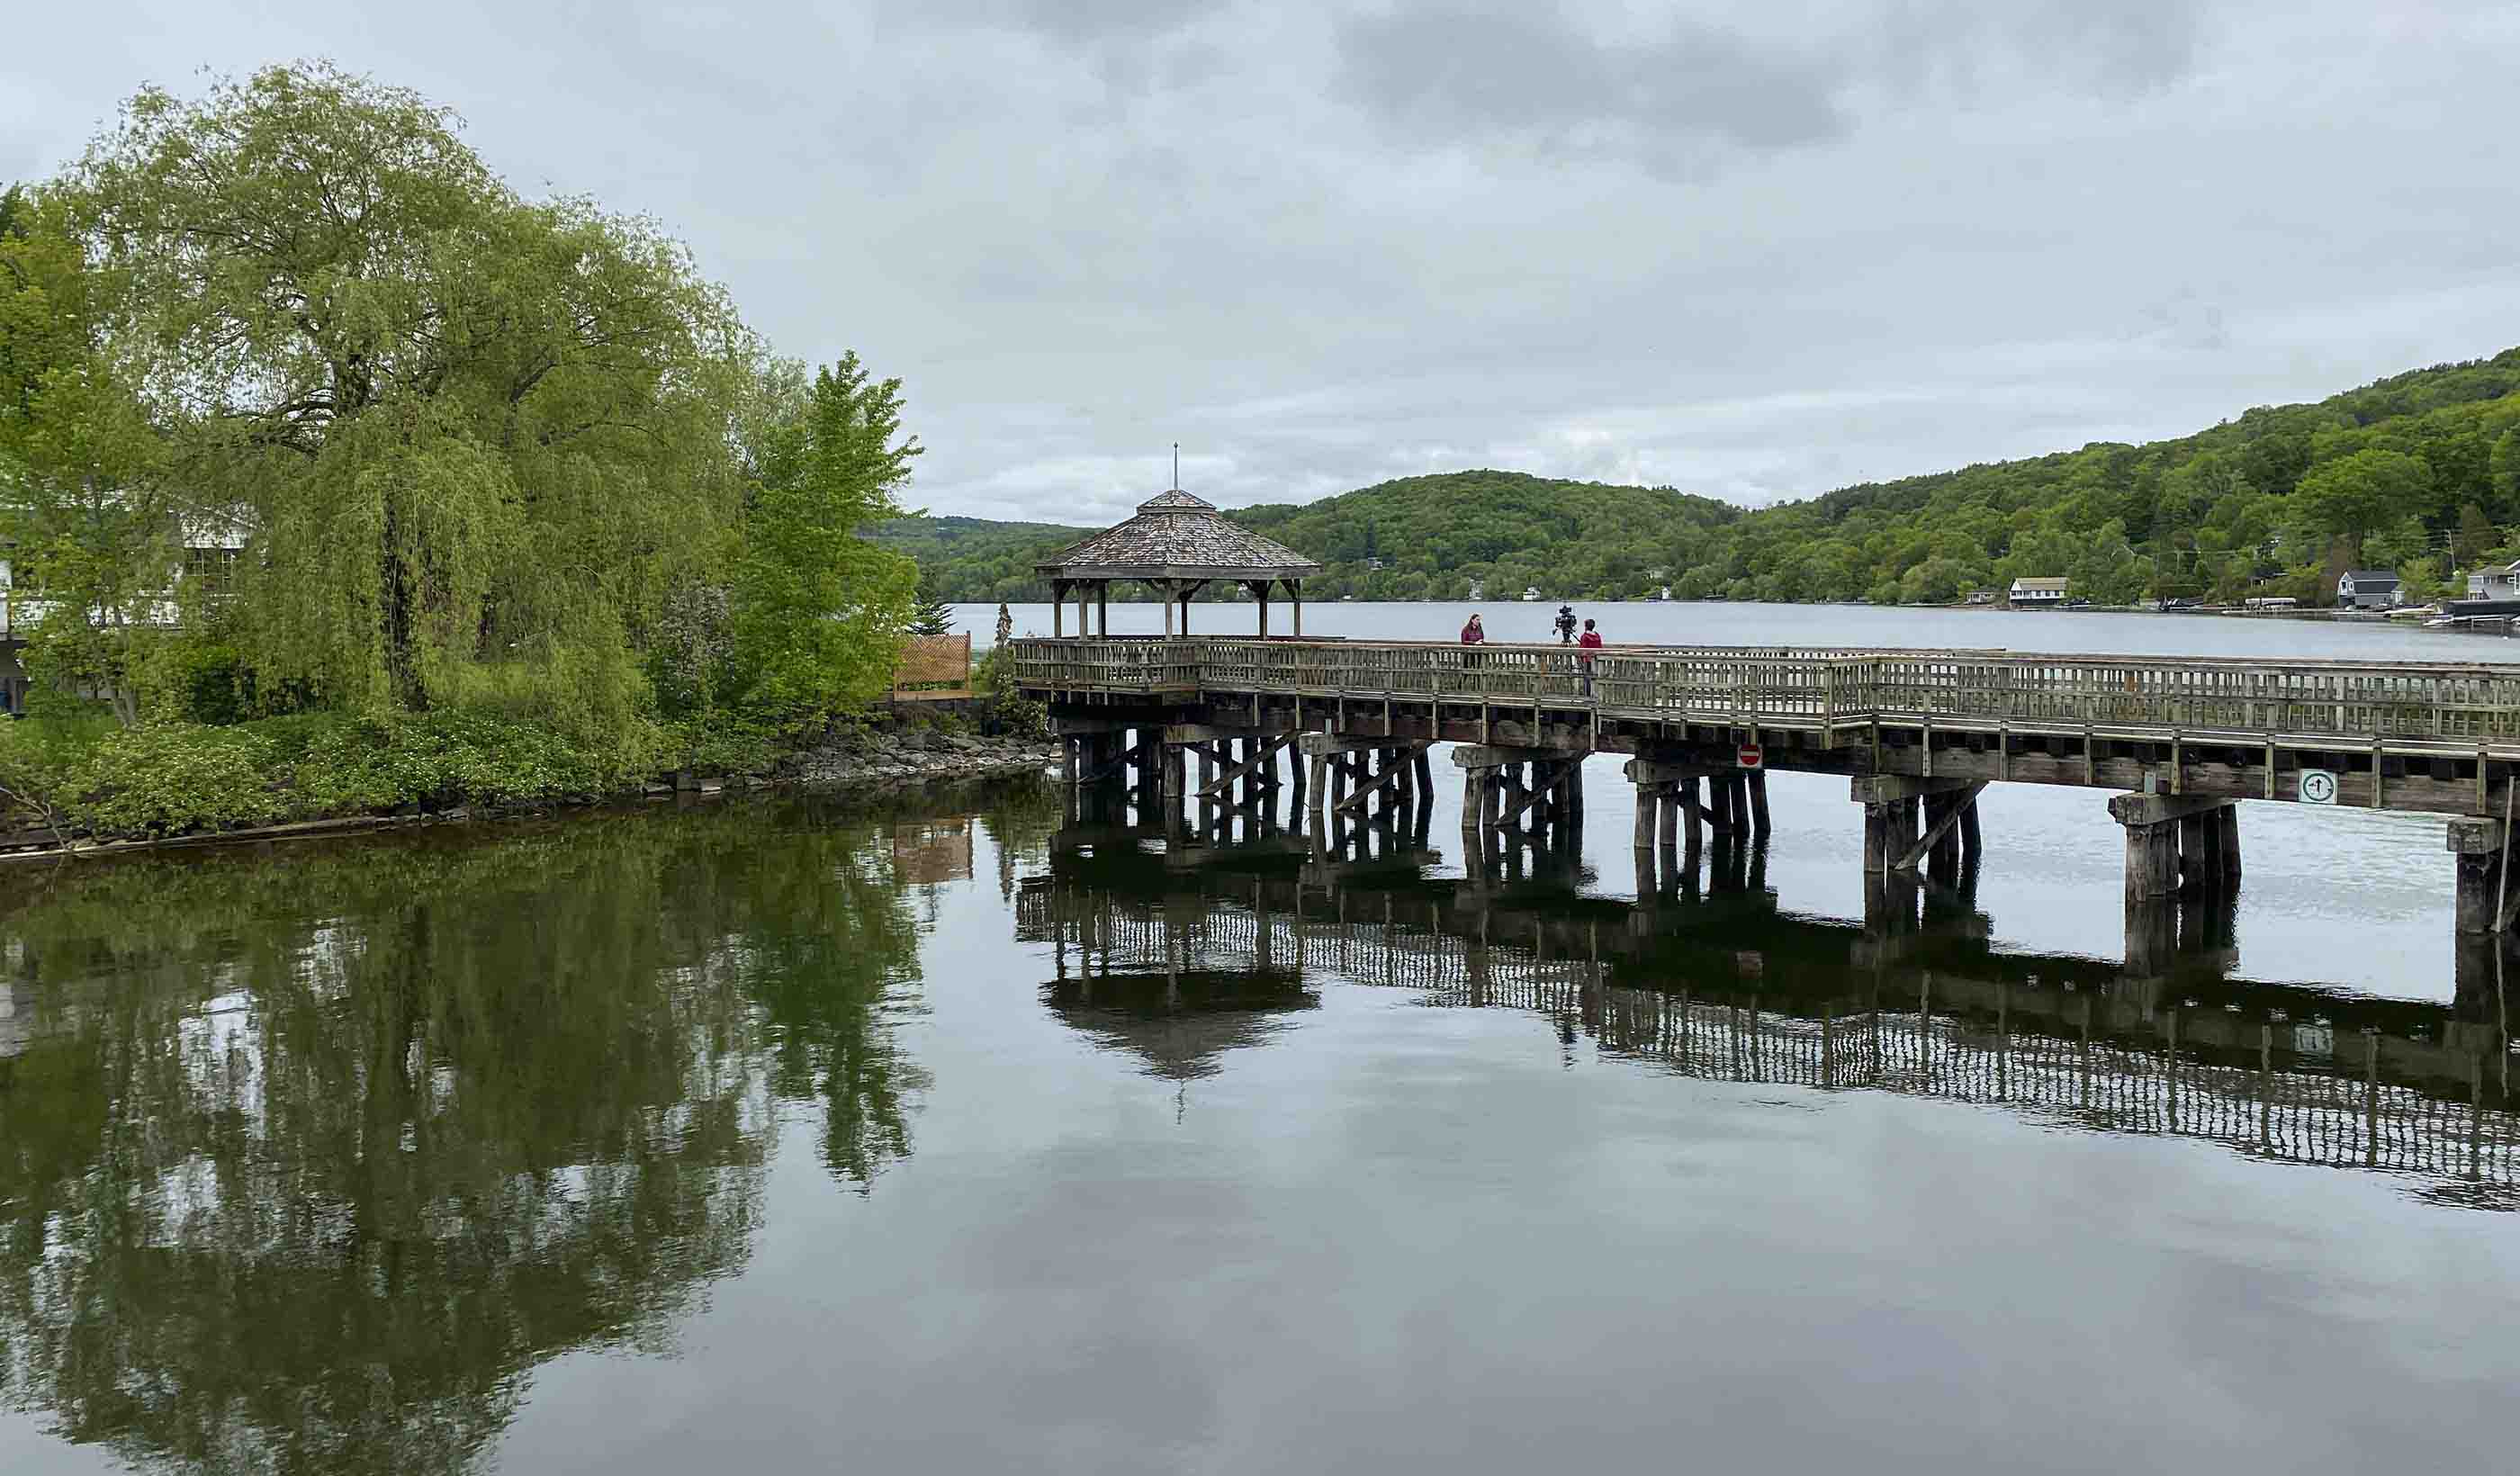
306, 1164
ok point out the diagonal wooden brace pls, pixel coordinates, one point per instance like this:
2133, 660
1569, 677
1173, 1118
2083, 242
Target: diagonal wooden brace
1942, 827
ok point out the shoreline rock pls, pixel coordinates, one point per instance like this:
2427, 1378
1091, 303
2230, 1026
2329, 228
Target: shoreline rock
913, 755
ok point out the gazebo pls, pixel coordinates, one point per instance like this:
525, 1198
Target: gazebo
1177, 544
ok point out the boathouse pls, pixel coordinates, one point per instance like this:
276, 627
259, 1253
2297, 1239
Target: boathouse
1175, 545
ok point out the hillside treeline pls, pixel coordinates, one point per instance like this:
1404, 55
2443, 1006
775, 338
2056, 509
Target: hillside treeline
2418, 473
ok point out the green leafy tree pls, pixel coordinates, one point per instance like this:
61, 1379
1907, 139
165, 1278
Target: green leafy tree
930, 615
2475, 535
817, 611
2347, 497
470, 436
91, 528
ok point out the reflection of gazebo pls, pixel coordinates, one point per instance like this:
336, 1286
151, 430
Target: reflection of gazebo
1177, 543
1179, 1024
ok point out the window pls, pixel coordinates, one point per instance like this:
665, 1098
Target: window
209, 570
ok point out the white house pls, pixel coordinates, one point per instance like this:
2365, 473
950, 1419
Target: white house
210, 551
2495, 583
2037, 592
2367, 589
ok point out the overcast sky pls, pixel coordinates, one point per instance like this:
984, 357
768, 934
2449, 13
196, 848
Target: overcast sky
1757, 252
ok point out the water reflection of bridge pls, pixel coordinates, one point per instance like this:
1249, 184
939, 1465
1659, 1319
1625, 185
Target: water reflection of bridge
1715, 981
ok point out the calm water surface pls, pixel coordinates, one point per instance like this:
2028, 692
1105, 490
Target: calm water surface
1720, 623
824, 1136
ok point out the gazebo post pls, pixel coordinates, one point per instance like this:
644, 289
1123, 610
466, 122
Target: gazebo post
1163, 589
1260, 587
1058, 609
1102, 605
1295, 599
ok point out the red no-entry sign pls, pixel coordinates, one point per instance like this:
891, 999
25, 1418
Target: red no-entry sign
1751, 757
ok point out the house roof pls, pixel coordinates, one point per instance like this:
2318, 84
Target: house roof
2372, 576
1176, 535
2040, 584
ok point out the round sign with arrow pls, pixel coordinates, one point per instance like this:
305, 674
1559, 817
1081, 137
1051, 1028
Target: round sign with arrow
2317, 786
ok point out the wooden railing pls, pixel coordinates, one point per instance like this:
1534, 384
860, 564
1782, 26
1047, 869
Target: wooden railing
1819, 688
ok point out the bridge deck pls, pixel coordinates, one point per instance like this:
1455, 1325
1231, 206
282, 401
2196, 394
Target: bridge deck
2435, 737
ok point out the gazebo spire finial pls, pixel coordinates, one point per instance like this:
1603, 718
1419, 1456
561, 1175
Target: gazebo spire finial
1176, 465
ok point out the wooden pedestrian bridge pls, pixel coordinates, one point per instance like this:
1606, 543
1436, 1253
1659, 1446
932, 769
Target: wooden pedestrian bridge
1187, 962
2174, 741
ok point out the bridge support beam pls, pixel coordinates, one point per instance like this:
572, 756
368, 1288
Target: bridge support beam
1906, 818
2177, 844
1668, 816
2485, 903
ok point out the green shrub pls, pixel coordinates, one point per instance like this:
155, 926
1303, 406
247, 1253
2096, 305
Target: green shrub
210, 683
1001, 708
450, 757
721, 743
166, 778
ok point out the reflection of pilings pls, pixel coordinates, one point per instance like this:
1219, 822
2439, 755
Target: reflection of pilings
2098, 1055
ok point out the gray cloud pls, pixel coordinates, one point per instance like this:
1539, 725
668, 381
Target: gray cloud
1523, 74
1756, 251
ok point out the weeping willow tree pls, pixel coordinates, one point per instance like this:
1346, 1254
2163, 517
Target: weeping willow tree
468, 439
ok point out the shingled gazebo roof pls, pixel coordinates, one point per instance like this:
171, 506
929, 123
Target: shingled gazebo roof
1177, 536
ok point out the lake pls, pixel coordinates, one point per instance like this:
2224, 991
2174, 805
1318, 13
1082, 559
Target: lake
901, 1136
1720, 623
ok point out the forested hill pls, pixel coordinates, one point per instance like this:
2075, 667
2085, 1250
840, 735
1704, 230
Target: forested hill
2418, 473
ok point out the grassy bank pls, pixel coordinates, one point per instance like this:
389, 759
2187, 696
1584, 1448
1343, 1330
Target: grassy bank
81, 775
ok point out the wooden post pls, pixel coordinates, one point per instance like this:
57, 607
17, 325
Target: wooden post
1058, 609
1719, 791
1970, 844
1690, 811
1649, 798
1295, 599
2192, 845
1945, 860
1903, 832
1103, 608
1758, 781
1667, 820
2226, 820
1876, 840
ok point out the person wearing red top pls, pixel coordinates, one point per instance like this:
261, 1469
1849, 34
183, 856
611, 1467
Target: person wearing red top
1474, 634
1587, 643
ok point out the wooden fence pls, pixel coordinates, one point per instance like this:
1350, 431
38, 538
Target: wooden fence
933, 668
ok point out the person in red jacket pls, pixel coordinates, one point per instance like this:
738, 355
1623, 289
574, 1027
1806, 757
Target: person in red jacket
1474, 634
1584, 644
